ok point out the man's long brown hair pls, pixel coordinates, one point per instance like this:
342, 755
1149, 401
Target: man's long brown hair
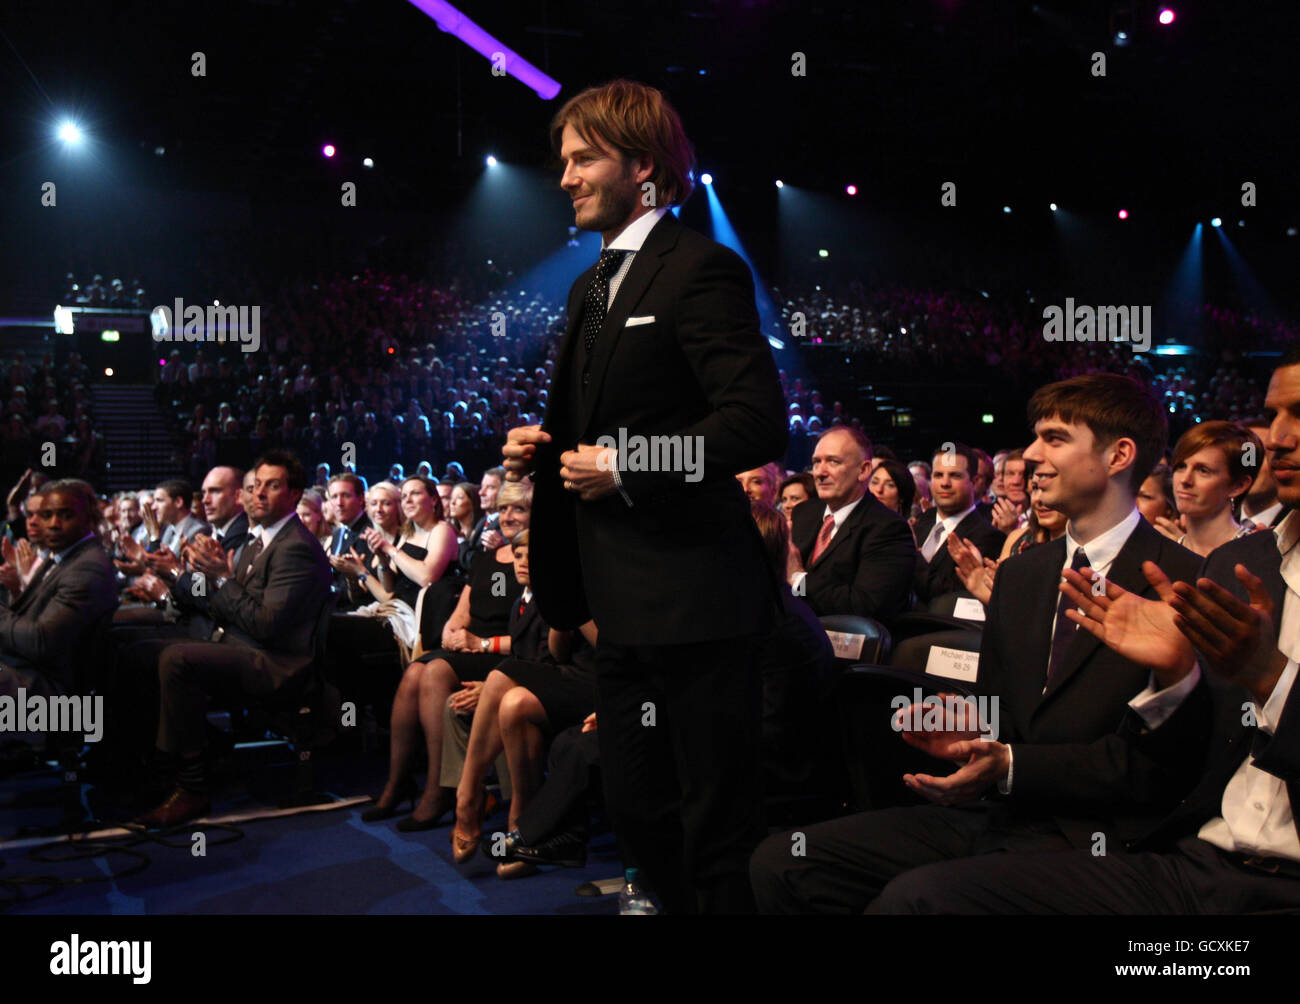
634, 119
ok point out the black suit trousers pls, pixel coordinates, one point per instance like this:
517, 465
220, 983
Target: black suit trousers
561, 803
843, 865
679, 729
1194, 877
190, 673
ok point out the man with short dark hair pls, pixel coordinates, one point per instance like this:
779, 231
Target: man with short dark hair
1232, 846
855, 556
1079, 750
47, 626
267, 610
172, 513
954, 511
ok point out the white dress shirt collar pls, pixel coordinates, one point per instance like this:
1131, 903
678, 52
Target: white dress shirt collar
1103, 548
267, 533
842, 513
635, 233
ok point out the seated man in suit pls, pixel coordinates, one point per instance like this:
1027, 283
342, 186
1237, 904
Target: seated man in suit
1261, 504
1233, 845
266, 608
177, 524
854, 556
47, 626
347, 493
953, 486
1059, 773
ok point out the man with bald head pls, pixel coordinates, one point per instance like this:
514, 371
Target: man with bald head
855, 556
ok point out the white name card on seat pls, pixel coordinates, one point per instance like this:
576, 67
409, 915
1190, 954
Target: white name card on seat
953, 663
847, 646
968, 609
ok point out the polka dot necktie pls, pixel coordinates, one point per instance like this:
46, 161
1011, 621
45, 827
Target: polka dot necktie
597, 298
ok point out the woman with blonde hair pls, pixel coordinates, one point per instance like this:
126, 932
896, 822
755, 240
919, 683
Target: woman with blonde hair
474, 640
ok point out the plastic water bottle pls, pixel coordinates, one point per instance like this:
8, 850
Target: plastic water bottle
633, 900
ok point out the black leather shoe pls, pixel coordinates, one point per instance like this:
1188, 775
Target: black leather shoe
567, 850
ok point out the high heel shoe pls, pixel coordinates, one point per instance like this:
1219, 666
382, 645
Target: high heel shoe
413, 825
406, 792
463, 848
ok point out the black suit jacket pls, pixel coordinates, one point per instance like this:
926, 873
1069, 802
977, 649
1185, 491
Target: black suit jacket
1080, 755
939, 575
275, 609
868, 566
1230, 738
48, 626
685, 562
530, 639
192, 600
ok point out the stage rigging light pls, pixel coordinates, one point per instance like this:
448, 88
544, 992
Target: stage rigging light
69, 133
1166, 15
328, 150
706, 178
780, 183
1216, 222
851, 189
367, 162
491, 161
1123, 214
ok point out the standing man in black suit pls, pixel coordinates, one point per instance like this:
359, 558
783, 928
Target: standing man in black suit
1059, 774
1233, 845
665, 388
267, 609
856, 556
953, 486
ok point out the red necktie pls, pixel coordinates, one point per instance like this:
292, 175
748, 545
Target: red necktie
823, 538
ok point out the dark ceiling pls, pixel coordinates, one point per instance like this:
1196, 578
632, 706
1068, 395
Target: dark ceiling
898, 96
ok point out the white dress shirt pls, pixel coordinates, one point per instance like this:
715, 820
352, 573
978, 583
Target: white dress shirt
840, 514
949, 524
1257, 814
631, 239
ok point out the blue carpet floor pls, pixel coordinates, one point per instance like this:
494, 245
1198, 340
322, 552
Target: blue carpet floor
316, 863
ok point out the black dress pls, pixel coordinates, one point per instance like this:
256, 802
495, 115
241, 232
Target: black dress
567, 693
494, 590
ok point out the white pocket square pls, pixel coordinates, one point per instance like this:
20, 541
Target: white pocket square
634, 321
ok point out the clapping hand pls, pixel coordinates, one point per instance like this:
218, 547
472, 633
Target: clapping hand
208, 557
1006, 515
1141, 630
151, 523
975, 570
378, 543
350, 564
1173, 529
1235, 639
983, 762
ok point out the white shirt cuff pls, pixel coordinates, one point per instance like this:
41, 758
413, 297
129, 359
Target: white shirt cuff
1268, 716
796, 580
1004, 785
1156, 706
618, 478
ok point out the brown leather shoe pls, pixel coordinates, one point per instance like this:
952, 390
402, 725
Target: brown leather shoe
180, 806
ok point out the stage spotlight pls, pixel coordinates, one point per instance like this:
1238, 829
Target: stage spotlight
780, 183
851, 189
108, 371
367, 162
706, 178
1290, 231
158, 151
1123, 214
823, 253
328, 150
69, 133
491, 161
1166, 15
1052, 206
1006, 209
1216, 222
1241, 223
